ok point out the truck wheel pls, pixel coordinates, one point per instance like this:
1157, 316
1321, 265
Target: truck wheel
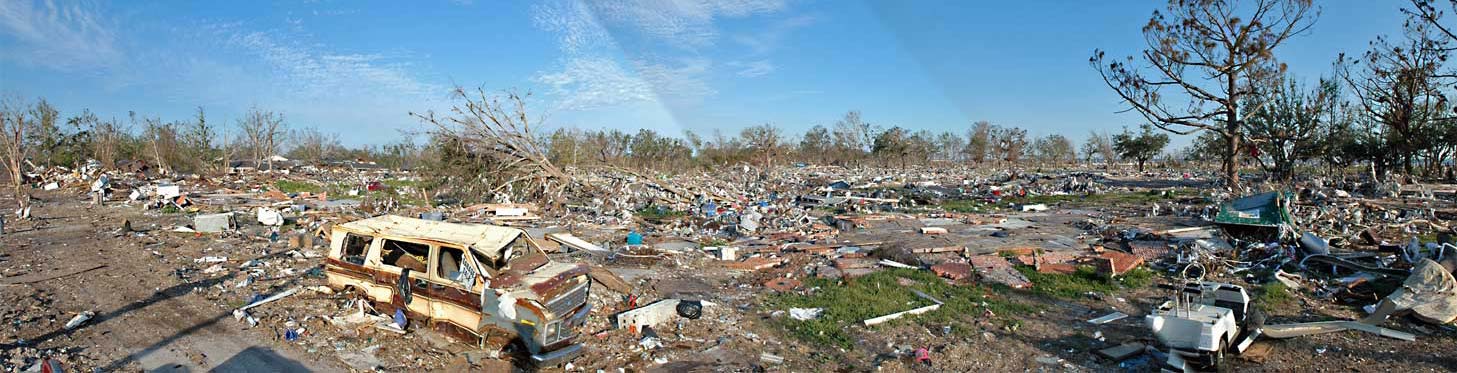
690, 309
1219, 363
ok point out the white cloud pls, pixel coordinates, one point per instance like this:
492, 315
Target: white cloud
753, 69
66, 37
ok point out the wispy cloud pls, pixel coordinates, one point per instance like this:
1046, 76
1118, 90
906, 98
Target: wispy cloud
67, 37
591, 82
666, 45
681, 23
313, 71
683, 81
753, 69
768, 39
574, 23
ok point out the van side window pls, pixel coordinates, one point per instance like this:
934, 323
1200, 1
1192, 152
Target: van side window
454, 267
354, 248
408, 255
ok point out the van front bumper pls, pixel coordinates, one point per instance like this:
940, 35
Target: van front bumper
557, 356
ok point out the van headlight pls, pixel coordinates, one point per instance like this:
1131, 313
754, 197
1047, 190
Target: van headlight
551, 331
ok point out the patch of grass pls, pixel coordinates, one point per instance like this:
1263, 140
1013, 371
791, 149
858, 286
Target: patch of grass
1137, 278
967, 206
398, 183
1428, 237
170, 209
1273, 295
656, 213
847, 303
1085, 280
290, 187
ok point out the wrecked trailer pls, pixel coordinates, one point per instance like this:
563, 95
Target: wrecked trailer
505, 290
1263, 217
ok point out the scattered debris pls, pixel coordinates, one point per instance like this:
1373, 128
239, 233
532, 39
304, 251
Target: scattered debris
1115, 316
916, 311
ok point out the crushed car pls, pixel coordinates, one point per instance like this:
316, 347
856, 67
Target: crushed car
479, 283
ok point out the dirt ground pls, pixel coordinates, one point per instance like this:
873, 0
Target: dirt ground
158, 308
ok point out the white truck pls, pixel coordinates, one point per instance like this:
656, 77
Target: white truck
1203, 322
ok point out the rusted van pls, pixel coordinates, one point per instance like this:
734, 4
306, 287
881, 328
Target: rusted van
481, 283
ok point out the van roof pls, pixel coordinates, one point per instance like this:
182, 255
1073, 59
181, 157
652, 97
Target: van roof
486, 239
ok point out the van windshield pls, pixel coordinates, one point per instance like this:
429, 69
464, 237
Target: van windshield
519, 252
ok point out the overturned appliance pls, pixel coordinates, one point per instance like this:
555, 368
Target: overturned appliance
1203, 322
476, 282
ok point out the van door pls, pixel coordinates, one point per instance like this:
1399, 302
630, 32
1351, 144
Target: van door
452, 277
396, 257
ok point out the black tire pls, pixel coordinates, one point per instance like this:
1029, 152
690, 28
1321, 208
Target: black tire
690, 309
1217, 360
1221, 364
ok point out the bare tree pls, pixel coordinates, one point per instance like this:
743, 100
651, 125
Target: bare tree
313, 145
1009, 143
161, 141
1396, 85
1100, 144
852, 135
1286, 129
950, 146
764, 141
14, 125
262, 130
979, 141
1213, 54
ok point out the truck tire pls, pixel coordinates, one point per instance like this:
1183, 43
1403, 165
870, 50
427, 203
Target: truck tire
690, 309
1218, 362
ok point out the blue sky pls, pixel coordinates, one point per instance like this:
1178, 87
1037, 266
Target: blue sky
357, 67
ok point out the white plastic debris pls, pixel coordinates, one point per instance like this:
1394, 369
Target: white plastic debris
803, 314
81, 318
270, 217
169, 191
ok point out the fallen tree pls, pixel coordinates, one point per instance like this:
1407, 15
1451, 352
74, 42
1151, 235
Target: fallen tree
495, 129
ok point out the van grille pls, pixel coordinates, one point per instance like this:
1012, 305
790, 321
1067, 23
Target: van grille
562, 305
